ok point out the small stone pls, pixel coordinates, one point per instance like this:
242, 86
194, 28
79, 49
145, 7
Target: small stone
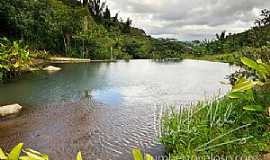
10, 109
266, 156
52, 68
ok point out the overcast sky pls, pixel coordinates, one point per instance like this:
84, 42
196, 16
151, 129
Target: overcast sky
189, 19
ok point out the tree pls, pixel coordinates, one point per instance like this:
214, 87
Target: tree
115, 18
96, 8
107, 14
264, 18
220, 42
85, 2
127, 25
222, 36
132, 48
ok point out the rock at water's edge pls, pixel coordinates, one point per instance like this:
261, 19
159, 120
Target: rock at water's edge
266, 156
10, 109
52, 68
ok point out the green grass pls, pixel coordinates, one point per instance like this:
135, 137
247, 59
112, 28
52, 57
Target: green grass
219, 128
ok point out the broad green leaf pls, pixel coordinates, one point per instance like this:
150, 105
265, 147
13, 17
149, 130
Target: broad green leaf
259, 61
24, 158
249, 95
254, 108
36, 155
33, 151
266, 66
243, 85
149, 157
259, 83
33, 156
265, 69
137, 154
262, 71
249, 62
241, 80
79, 156
15, 152
2, 154
236, 95
16, 65
45, 157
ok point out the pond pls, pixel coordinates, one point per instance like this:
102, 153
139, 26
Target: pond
104, 109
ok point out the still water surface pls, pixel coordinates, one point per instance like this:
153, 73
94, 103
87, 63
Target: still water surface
121, 112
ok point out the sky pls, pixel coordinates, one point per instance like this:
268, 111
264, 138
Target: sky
189, 19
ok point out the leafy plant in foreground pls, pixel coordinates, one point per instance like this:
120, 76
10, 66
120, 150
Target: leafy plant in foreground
232, 126
137, 155
29, 154
244, 88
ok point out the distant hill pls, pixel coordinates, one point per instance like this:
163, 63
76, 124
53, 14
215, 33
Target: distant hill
256, 37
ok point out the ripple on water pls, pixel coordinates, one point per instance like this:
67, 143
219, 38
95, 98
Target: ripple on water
62, 130
60, 124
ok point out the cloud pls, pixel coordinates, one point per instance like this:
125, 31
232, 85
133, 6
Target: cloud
189, 19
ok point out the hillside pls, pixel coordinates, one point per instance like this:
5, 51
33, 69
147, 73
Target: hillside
253, 42
86, 30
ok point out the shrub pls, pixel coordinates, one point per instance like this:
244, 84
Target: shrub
235, 125
13, 58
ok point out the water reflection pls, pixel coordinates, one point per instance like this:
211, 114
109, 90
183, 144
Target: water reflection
111, 96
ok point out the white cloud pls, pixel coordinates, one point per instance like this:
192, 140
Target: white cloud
189, 19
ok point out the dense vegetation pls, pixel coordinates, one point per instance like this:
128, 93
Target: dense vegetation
230, 127
73, 29
236, 125
86, 30
253, 43
13, 59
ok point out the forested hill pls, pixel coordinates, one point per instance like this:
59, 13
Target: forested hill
86, 30
252, 40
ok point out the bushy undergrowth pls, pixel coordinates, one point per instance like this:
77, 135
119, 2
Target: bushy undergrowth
226, 58
220, 128
232, 126
14, 58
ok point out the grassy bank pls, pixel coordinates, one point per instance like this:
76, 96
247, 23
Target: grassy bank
219, 128
234, 126
226, 58
234, 56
